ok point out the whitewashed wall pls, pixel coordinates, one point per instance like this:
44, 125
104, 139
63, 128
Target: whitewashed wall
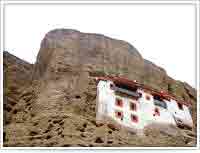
145, 108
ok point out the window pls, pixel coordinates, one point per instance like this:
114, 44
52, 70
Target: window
133, 106
156, 97
147, 97
157, 112
134, 118
158, 101
127, 90
118, 102
119, 115
126, 87
140, 94
180, 106
111, 86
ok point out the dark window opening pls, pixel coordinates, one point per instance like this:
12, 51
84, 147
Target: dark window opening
158, 101
157, 112
134, 118
140, 94
77, 97
124, 86
111, 86
118, 102
133, 106
126, 90
180, 106
147, 97
119, 115
159, 98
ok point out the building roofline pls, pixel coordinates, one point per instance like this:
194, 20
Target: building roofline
152, 91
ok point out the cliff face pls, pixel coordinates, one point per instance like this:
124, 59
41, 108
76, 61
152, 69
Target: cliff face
57, 104
69, 50
17, 76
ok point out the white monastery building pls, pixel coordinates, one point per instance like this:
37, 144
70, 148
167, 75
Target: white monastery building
135, 106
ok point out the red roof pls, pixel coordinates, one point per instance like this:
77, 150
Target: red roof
134, 83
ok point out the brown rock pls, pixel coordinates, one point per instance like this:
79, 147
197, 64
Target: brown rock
52, 103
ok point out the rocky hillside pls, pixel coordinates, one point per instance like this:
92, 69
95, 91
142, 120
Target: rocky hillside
17, 76
52, 103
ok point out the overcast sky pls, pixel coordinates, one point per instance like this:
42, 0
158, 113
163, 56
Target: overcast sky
163, 34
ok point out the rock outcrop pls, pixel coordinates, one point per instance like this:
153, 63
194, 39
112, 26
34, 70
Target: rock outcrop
17, 77
55, 105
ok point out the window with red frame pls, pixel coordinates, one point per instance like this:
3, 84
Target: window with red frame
119, 114
157, 112
111, 86
133, 106
119, 102
147, 97
134, 118
180, 106
140, 94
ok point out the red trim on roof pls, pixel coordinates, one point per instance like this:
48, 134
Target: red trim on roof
152, 91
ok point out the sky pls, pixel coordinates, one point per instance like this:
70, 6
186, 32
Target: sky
163, 34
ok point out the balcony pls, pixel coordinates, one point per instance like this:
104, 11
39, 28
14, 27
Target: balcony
127, 92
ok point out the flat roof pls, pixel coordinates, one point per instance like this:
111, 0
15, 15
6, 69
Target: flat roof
152, 91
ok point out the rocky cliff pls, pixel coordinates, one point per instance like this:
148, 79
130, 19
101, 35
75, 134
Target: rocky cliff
17, 76
53, 101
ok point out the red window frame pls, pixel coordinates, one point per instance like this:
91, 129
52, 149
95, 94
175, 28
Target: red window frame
180, 106
156, 112
119, 102
111, 86
133, 106
119, 114
147, 97
134, 118
140, 94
